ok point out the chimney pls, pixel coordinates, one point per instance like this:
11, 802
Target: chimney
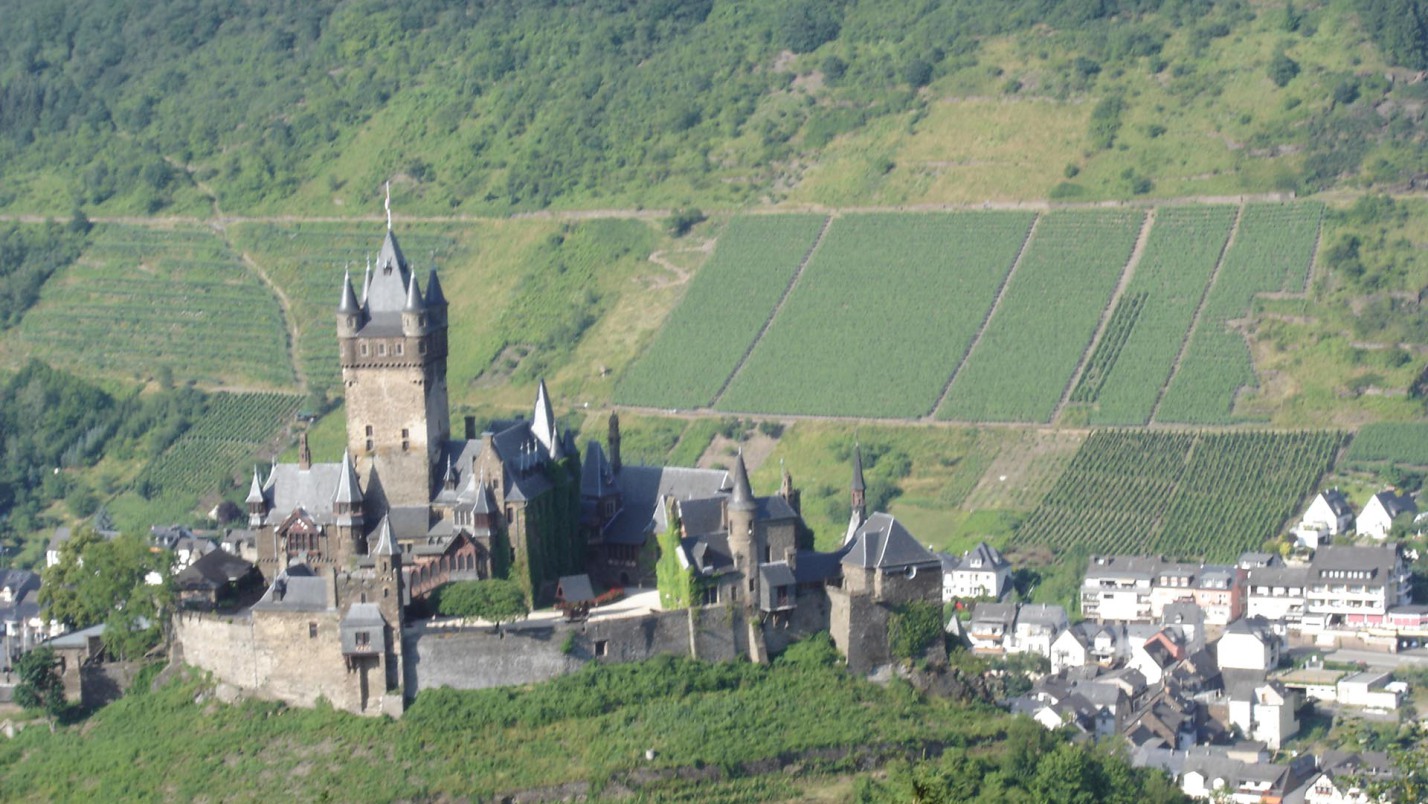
304, 454
613, 439
470, 428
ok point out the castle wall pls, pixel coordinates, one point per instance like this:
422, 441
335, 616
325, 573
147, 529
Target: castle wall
273, 656
479, 657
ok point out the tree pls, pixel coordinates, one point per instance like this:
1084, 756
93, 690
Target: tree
40, 687
1282, 69
494, 600
106, 581
806, 24
674, 580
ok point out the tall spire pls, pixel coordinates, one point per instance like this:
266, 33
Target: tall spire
743, 499
388, 205
543, 423
255, 489
348, 304
349, 490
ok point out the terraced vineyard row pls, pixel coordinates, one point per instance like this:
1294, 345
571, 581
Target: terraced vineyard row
1047, 317
1394, 442
722, 313
1206, 495
1179, 258
161, 298
881, 316
1273, 248
204, 459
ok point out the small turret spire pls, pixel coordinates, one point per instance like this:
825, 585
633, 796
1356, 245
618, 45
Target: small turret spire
388, 205
543, 423
743, 499
386, 544
414, 302
255, 489
348, 304
434, 296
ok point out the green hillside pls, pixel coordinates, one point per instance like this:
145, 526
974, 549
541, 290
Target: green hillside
146, 107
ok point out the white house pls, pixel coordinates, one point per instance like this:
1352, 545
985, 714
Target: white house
1249, 644
1036, 629
991, 627
1378, 515
1264, 712
1329, 512
979, 572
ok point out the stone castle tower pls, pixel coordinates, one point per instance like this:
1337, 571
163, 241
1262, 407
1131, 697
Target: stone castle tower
746, 542
393, 347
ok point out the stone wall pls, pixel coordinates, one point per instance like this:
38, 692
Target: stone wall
520, 653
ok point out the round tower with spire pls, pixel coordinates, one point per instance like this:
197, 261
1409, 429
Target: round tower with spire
743, 536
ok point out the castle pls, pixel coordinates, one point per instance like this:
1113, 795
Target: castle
347, 547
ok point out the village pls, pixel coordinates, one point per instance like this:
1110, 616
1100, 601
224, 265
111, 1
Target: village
320, 587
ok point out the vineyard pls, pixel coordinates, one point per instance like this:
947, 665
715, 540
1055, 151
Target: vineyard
1180, 255
1047, 317
213, 452
722, 313
881, 316
307, 260
1185, 495
155, 299
1394, 442
1272, 250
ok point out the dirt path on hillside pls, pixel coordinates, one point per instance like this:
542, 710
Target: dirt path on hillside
681, 275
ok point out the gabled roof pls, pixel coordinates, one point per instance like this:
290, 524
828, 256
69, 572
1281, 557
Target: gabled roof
1392, 504
1336, 502
575, 589
883, 543
983, 558
290, 487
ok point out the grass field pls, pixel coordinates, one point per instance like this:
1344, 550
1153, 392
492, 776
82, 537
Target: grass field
881, 316
1180, 494
722, 312
175, 300
1272, 249
1047, 317
1184, 245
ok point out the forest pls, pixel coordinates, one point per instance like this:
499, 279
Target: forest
507, 105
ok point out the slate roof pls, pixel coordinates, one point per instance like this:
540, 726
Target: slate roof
597, 479
1337, 502
1394, 504
883, 543
1046, 614
643, 487
1278, 576
576, 589
295, 589
18, 581
213, 571
814, 567
1378, 561
290, 487
983, 557
775, 574
1122, 567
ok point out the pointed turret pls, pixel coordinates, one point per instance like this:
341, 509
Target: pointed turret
414, 301
743, 496
255, 489
349, 491
348, 305
256, 501
386, 543
448, 481
367, 281
543, 422
434, 296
